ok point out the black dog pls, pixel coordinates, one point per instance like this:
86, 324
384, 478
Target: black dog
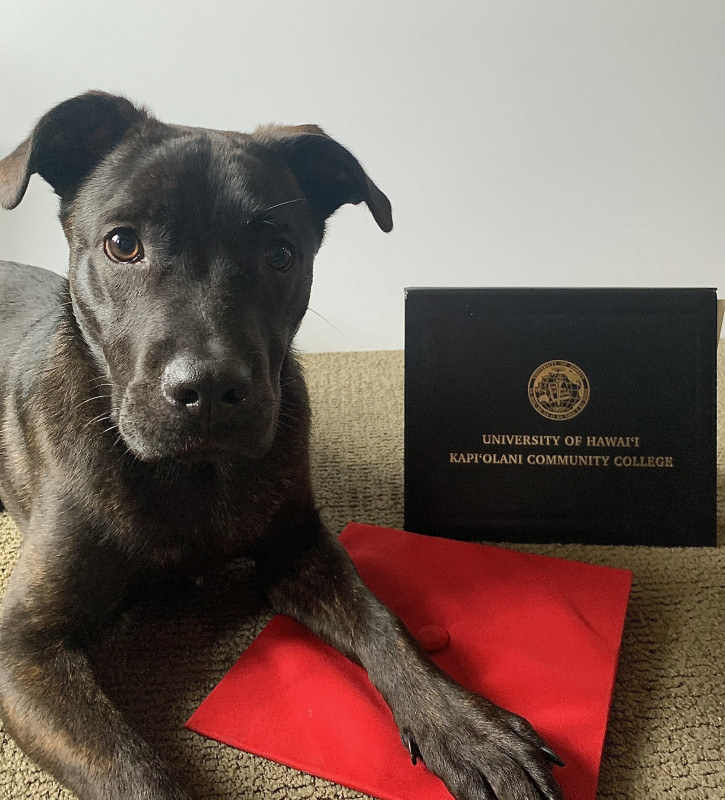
154, 424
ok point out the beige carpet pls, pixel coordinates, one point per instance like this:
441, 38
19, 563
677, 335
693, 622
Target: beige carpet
667, 733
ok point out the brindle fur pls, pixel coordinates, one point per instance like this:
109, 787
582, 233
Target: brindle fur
115, 487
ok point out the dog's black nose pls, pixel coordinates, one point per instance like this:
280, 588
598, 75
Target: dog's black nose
213, 389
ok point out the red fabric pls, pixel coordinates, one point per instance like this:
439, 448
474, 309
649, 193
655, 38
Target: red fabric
537, 635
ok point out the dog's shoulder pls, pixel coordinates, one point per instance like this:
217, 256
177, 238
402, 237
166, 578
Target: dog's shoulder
31, 304
24, 279
27, 294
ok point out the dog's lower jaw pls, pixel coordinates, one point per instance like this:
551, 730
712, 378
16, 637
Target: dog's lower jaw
194, 452
145, 446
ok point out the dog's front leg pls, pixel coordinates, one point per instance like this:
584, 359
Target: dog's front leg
50, 701
480, 751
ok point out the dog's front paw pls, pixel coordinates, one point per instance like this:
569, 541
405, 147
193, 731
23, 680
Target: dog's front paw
481, 751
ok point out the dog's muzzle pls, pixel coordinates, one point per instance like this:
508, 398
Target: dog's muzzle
200, 410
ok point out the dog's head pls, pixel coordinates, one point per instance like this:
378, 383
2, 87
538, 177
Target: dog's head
191, 257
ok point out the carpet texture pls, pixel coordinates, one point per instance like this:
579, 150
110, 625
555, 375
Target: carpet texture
666, 738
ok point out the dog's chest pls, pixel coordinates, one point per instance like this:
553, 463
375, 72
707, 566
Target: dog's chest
192, 524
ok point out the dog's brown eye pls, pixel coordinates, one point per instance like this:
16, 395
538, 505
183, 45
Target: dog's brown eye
279, 257
123, 245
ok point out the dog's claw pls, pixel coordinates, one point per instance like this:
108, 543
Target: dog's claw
412, 748
552, 756
414, 752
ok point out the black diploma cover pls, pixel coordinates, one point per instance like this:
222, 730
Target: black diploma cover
561, 415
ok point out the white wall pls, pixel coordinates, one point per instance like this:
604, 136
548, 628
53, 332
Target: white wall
521, 142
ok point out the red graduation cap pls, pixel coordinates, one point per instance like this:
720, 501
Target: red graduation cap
540, 636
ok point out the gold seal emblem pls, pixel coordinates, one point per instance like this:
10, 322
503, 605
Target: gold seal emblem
558, 390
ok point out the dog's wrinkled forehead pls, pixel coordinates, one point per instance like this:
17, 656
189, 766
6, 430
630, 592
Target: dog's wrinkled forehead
187, 183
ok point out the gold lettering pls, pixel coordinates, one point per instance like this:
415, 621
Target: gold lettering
485, 458
521, 439
644, 461
562, 460
612, 441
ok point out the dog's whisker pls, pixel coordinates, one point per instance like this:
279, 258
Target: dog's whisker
128, 451
99, 378
106, 415
324, 319
91, 399
291, 404
277, 205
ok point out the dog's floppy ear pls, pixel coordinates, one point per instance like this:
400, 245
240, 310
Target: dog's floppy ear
328, 174
67, 143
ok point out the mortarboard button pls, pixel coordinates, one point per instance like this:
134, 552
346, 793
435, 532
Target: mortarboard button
433, 638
